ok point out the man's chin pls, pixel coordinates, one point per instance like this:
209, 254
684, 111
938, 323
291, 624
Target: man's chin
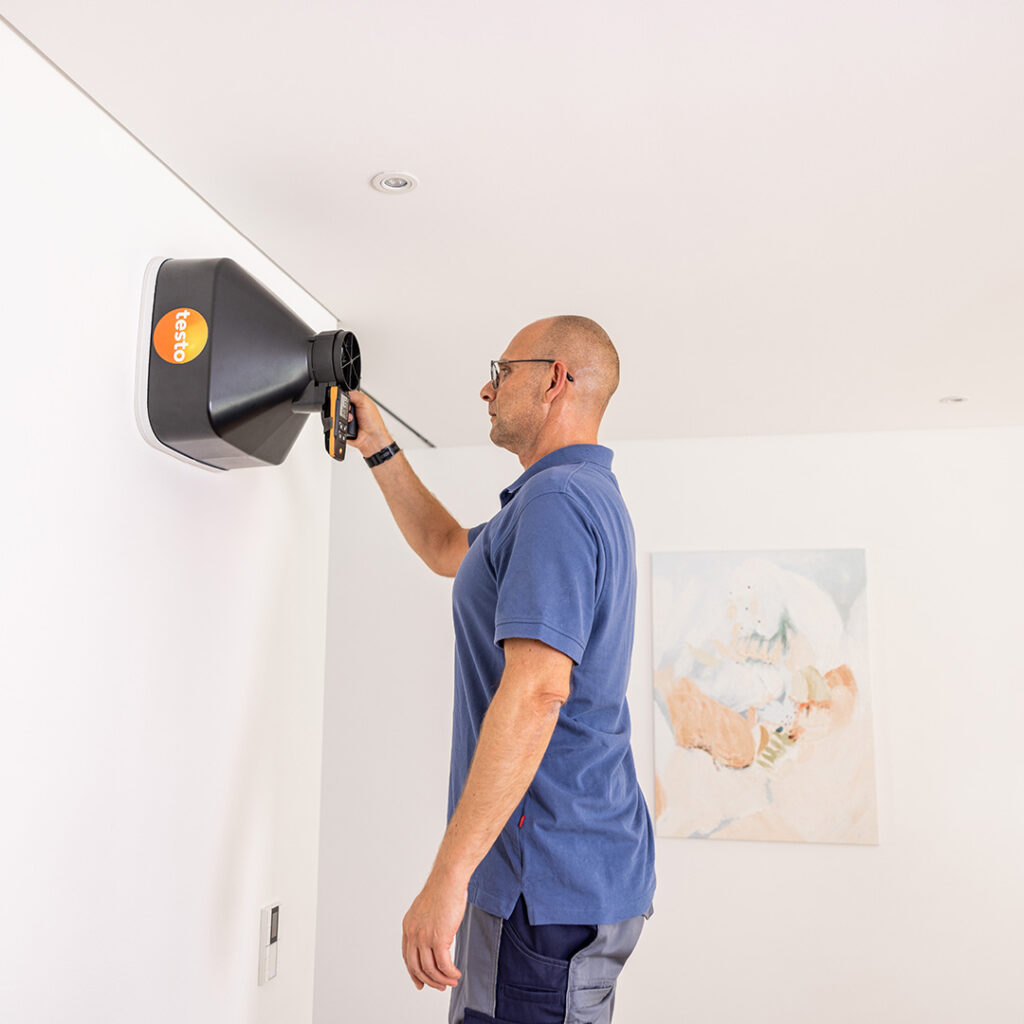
499, 438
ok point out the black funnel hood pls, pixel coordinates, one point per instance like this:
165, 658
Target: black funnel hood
239, 397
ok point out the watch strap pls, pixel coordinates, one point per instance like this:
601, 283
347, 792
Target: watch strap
383, 455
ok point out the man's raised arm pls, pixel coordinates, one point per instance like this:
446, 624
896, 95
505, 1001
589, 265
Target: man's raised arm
426, 524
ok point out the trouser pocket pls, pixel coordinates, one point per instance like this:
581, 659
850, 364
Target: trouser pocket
593, 972
591, 1005
530, 988
533, 968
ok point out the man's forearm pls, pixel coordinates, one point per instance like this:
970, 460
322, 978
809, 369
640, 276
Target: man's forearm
425, 523
428, 527
513, 738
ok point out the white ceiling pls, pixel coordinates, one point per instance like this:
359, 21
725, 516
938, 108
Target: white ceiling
791, 216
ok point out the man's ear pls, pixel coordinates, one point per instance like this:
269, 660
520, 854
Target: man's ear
557, 382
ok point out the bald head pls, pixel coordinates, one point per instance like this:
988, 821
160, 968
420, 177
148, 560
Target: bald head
535, 409
587, 351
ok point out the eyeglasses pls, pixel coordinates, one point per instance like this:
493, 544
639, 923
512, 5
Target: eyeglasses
497, 364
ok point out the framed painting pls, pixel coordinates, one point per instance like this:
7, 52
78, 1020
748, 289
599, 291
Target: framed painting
762, 714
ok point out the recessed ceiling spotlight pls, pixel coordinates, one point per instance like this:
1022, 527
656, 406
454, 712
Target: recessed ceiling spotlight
394, 181
952, 399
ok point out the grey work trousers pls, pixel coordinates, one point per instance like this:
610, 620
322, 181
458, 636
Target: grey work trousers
589, 976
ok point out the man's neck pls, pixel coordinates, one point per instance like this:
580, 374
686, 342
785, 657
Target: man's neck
545, 446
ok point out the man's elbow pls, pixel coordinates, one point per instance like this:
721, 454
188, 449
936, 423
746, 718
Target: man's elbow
552, 703
534, 698
537, 673
547, 697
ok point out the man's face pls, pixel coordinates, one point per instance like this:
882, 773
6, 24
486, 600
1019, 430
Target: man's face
515, 407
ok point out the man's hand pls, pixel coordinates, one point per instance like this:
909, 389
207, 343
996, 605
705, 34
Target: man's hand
373, 432
428, 932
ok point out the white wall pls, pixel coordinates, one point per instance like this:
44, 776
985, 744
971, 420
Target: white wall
925, 926
163, 627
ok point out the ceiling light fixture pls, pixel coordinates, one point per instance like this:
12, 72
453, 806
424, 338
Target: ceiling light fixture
952, 399
394, 181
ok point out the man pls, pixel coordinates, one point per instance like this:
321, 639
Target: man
545, 873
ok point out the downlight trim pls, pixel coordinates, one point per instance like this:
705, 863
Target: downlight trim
394, 182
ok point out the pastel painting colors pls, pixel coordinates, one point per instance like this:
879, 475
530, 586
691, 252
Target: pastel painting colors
762, 713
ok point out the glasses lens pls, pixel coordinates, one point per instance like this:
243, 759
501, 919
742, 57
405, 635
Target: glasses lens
494, 375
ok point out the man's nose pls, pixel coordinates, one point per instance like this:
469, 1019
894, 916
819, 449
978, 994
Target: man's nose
487, 392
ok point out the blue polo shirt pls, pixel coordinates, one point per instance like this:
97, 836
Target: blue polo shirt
558, 564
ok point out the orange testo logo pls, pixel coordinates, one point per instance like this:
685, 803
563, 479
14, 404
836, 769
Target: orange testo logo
180, 335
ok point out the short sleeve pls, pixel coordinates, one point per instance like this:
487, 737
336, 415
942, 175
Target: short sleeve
473, 532
546, 576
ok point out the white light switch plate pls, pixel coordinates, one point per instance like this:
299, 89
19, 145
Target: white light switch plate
269, 923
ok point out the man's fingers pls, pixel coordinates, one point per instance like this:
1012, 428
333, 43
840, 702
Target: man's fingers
406, 947
448, 970
442, 978
426, 969
411, 956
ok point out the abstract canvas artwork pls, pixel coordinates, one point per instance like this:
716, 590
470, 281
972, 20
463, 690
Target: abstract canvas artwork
762, 713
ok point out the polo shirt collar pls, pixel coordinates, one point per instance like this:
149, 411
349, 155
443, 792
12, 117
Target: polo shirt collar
571, 453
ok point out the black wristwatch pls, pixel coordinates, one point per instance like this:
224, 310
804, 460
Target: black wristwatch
383, 455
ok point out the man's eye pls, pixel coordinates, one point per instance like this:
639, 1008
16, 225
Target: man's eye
505, 371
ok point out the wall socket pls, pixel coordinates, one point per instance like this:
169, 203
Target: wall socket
269, 917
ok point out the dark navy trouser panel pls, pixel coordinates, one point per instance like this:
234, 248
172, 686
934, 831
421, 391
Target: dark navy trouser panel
533, 968
506, 979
